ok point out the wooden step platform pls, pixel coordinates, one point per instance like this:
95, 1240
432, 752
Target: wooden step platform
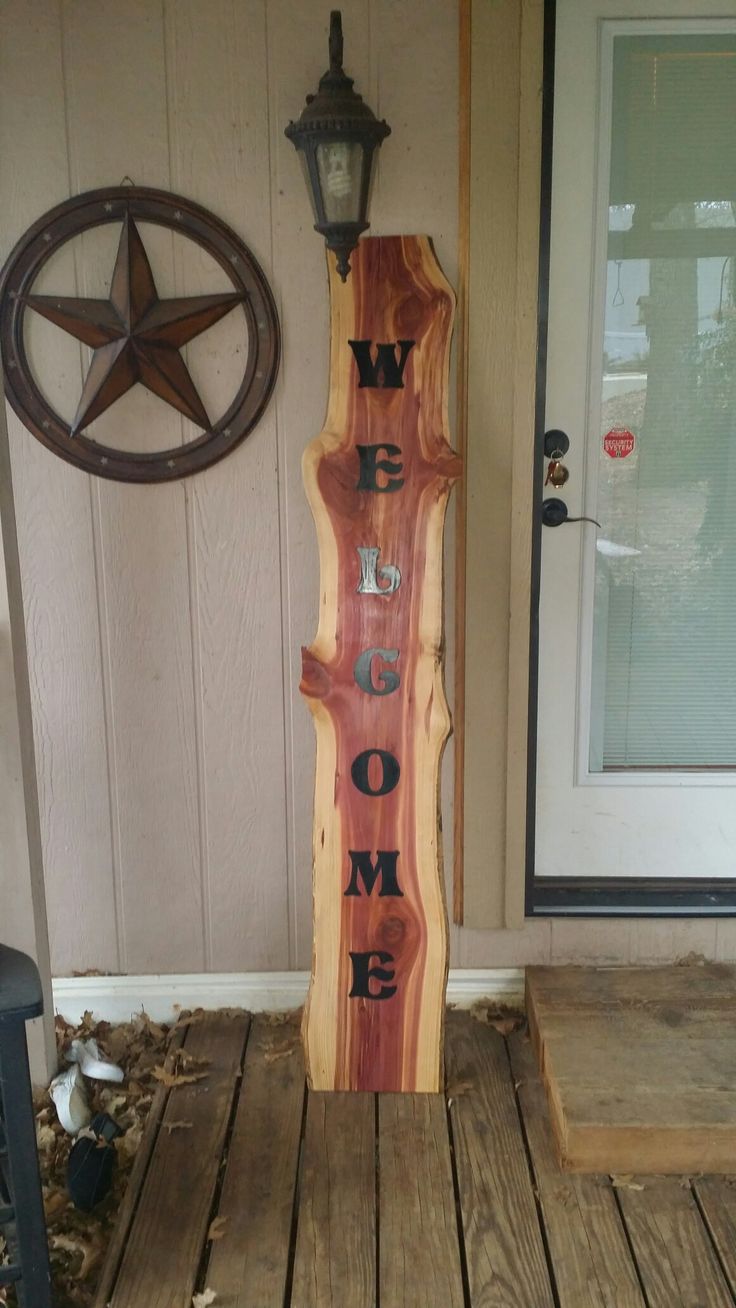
639, 1065
269, 1196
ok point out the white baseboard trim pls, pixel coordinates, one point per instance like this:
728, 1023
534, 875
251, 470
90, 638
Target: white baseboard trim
116, 998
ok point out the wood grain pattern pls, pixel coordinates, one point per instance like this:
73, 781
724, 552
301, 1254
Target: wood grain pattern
503, 1242
376, 1214
396, 292
249, 1265
676, 1260
638, 1065
136, 1180
420, 1251
335, 1261
585, 1235
168, 1233
716, 1197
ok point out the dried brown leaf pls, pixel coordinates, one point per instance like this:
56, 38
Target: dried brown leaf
45, 1137
177, 1078
217, 1228
184, 1060
90, 1251
291, 1018
127, 1145
190, 1019
503, 1019
456, 1088
54, 1202
272, 1054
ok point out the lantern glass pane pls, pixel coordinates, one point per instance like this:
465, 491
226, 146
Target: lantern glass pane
304, 161
340, 167
369, 173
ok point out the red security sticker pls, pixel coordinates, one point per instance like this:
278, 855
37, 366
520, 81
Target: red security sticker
619, 442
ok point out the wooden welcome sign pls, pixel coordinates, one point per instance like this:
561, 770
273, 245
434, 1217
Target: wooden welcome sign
378, 480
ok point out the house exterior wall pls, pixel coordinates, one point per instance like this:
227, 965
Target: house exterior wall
175, 757
164, 623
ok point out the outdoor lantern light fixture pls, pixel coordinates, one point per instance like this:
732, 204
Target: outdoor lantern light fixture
336, 137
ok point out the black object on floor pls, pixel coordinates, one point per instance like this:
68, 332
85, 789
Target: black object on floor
91, 1163
21, 1201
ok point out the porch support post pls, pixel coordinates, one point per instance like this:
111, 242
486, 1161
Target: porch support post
23, 921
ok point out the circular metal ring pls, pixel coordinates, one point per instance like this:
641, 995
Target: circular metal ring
142, 204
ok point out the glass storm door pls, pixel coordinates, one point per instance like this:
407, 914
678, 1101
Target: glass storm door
636, 729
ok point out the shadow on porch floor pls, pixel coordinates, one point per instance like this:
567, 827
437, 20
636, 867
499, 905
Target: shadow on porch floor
253, 1191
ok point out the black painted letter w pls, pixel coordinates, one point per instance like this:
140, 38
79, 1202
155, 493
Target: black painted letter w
386, 365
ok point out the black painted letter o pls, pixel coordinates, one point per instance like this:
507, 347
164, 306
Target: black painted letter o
391, 772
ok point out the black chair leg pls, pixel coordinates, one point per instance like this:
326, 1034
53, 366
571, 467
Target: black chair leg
34, 1288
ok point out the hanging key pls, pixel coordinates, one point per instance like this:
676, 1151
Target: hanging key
557, 474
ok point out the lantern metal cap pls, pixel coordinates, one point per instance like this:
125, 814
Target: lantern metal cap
336, 107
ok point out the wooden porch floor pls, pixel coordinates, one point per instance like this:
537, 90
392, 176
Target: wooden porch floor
270, 1197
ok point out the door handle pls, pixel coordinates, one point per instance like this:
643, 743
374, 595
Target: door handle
554, 514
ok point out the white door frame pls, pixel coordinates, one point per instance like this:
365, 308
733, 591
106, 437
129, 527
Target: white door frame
576, 895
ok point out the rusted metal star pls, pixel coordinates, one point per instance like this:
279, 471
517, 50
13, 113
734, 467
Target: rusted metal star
136, 337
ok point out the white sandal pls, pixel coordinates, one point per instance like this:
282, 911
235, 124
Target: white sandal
69, 1095
87, 1056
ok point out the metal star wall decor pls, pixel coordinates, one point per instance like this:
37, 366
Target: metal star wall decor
136, 337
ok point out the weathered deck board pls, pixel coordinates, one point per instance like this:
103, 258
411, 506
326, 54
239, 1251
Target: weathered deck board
419, 1265
586, 1238
335, 1262
717, 1198
136, 1180
397, 1195
503, 1242
168, 1233
249, 1263
638, 1065
676, 1260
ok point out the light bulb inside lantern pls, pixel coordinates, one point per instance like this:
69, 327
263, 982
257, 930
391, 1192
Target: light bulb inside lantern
340, 169
339, 182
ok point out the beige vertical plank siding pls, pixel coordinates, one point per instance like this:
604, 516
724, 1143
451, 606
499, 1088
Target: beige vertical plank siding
55, 535
418, 192
164, 623
174, 757
233, 520
114, 60
297, 53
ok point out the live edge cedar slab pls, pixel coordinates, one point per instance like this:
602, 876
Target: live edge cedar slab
375, 1011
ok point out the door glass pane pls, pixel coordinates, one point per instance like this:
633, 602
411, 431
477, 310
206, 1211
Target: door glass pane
664, 643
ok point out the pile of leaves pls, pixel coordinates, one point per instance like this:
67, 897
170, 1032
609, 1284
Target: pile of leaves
77, 1240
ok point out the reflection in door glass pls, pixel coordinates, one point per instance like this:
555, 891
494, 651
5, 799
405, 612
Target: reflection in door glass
664, 642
